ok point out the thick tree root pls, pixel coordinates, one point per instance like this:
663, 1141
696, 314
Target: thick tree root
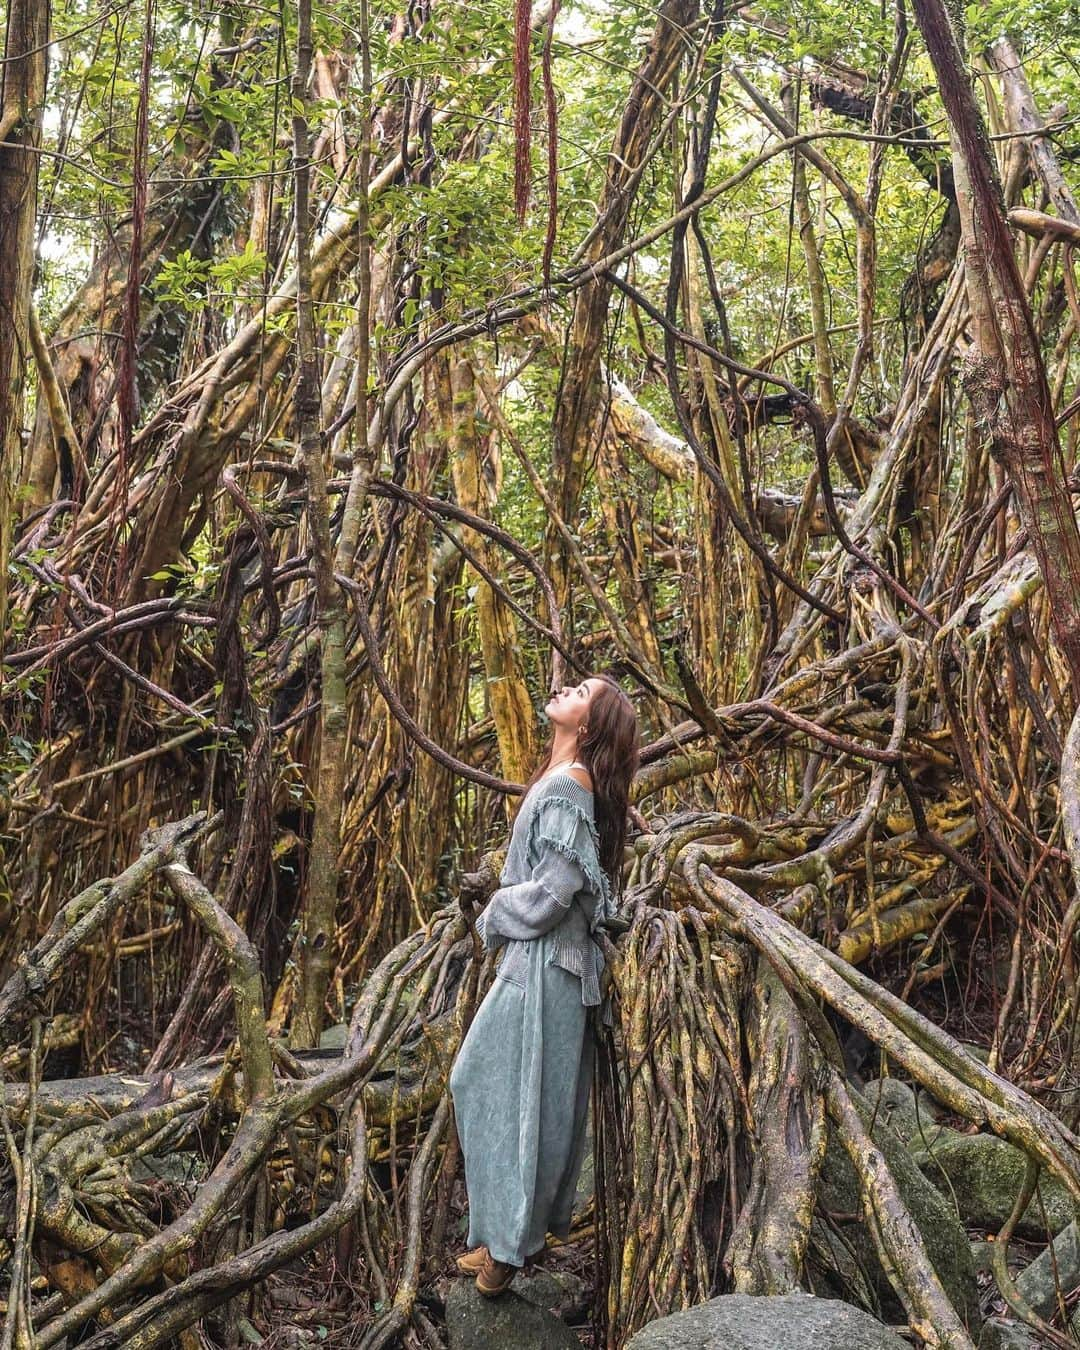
717, 1090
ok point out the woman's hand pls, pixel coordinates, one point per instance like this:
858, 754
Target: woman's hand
472, 886
476, 888
616, 925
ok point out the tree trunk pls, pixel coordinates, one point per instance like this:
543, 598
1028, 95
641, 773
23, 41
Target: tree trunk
1024, 118
1005, 376
579, 394
22, 92
506, 692
316, 961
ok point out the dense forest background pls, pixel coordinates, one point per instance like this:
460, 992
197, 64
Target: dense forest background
369, 371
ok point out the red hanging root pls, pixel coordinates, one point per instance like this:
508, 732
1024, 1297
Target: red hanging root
126, 391
522, 108
552, 146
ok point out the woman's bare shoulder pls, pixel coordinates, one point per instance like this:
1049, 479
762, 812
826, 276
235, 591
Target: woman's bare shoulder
582, 777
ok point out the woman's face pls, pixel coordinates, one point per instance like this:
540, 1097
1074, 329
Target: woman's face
569, 708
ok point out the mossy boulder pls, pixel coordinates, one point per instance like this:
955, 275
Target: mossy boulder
1053, 1274
913, 1116
559, 1292
506, 1322
763, 1322
982, 1176
1004, 1333
842, 1260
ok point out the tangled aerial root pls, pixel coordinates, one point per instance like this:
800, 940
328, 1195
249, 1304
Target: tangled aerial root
716, 1092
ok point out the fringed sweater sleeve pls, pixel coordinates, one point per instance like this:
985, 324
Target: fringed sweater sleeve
529, 908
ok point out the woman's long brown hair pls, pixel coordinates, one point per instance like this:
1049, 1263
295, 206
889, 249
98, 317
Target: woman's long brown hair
611, 749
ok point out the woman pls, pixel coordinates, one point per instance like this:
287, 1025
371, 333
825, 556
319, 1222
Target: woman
520, 1083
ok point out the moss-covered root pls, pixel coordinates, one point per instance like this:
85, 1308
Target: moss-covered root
1000, 1265
381, 1020
898, 1240
933, 1058
766, 1251
87, 913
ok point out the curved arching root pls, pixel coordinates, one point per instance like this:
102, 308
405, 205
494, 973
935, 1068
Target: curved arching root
719, 1087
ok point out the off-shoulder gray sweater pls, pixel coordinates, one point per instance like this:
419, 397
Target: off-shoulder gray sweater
552, 884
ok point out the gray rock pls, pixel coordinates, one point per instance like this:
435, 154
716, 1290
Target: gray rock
913, 1117
561, 1292
506, 1322
334, 1038
843, 1260
1037, 1284
887, 1096
982, 1175
751, 1322
927, 1106
999, 1333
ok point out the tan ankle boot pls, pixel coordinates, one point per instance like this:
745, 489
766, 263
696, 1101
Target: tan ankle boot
494, 1276
471, 1262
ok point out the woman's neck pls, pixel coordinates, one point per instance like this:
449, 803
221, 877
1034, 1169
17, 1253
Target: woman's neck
564, 748
559, 764
555, 768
